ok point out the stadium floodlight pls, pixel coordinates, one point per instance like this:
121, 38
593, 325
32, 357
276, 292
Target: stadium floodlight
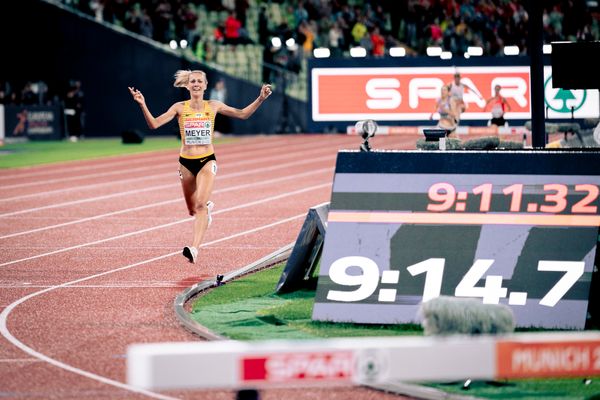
173, 44
547, 49
276, 42
358, 52
290, 43
511, 50
446, 55
434, 51
397, 51
321, 52
475, 51
183, 43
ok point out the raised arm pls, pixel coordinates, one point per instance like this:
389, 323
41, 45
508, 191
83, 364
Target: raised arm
435, 109
247, 111
472, 89
487, 102
153, 122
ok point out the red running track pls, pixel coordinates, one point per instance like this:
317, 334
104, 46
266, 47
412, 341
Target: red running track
90, 257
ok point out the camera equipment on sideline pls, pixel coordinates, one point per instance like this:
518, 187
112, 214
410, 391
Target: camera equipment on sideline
366, 129
447, 315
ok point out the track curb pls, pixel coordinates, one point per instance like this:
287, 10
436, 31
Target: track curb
184, 317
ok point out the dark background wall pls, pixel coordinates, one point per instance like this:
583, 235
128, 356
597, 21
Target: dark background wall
40, 41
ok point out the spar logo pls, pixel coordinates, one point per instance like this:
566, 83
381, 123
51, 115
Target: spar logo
393, 94
298, 367
561, 100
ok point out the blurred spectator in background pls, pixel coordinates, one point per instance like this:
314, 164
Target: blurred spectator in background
336, 39
133, 19
219, 92
263, 25
97, 9
219, 33
73, 105
28, 96
457, 91
241, 9
188, 19
377, 43
499, 107
6, 94
146, 27
415, 24
359, 30
307, 29
232, 29
161, 20
300, 14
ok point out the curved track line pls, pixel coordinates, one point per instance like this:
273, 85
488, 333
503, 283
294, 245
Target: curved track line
162, 203
14, 341
252, 203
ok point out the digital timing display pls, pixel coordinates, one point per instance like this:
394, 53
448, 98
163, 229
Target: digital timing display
518, 228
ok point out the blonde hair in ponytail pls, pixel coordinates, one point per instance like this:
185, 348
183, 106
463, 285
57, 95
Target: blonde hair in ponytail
182, 77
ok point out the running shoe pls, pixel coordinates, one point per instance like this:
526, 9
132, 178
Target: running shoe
210, 205
190, 253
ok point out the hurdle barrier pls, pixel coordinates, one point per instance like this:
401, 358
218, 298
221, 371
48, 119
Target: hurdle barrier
234, 364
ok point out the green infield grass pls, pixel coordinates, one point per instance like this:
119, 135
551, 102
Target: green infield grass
25, 154
247, 308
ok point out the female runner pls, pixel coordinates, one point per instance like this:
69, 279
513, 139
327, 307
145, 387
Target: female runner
446, 108
198, 165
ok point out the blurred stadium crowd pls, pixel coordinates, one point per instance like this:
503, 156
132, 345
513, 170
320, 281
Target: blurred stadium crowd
341, 24
232, 35
39, 93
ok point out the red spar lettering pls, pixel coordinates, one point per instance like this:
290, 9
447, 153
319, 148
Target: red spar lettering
309, 366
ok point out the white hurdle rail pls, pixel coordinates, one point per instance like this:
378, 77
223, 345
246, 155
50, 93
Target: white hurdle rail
238, 365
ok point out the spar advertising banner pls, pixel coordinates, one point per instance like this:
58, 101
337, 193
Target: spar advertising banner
408, 93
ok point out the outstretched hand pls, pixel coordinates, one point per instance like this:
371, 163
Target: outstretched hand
265, 91
137, 95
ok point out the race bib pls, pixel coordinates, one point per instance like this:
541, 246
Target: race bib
497, 111
197, 131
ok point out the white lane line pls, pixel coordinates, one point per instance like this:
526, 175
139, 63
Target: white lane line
250, 204
42, 357
134, 158
165, 285
77, 177
251, 161
18, 360
87, 200
158, 187
161, 203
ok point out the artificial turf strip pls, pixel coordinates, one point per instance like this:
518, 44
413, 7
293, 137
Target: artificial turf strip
529, 389
248, 309
25, 154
